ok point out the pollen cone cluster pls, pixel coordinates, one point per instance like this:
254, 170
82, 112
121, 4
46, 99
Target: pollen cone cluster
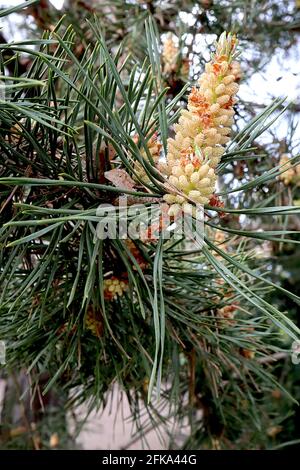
93, 322
169, 55
202, 131
292, 173
114, 287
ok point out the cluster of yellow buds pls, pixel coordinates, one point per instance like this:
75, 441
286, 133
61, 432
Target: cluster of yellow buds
292, 173
155, 149
172, 60
202, 131
194, 178
93, 322
114, 287
170, 54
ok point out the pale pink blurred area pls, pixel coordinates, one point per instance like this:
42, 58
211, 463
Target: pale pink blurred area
113, 428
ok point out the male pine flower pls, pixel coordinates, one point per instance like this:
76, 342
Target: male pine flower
93, 322
114, 288
202, 131
291, 175
172, 59
170, 54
